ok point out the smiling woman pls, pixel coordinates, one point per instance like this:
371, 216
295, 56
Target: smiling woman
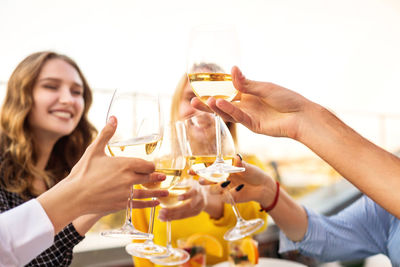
44, 132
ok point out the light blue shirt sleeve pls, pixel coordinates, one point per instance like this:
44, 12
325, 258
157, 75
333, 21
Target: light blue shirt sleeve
359, 231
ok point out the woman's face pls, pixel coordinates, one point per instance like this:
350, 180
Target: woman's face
58, 101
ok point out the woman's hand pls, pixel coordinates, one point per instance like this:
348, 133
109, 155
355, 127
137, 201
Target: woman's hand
251, 185
145, 194
193, 203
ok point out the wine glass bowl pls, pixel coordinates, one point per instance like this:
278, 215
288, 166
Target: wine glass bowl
138, 134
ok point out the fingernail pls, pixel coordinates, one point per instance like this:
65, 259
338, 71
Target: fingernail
161, 177
239, 187
112, 120
240, 156
225, 184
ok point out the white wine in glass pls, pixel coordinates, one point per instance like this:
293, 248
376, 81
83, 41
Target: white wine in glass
213, 51
217, 85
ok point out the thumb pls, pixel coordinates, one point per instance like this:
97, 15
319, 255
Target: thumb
106, 133
243, 85
238, 161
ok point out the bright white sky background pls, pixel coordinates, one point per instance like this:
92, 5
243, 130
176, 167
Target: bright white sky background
344, 54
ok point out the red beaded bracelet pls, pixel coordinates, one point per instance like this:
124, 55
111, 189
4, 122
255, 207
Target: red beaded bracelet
270, 207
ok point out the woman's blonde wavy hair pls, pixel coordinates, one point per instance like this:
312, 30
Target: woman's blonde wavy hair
18, 156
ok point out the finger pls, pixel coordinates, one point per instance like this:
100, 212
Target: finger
198, 104
238, 161
150, 180
262, 89
204, 181
248, 86
212, 103
149, 193
105, 135
136, 165
156, 177
141, 204
176, 213
187, 195
224, 107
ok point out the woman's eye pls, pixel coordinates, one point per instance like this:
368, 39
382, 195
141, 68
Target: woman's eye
50, 86
77, 92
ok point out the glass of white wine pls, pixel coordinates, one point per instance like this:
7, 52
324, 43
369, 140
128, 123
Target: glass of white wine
138, 134
200, 138
176, 255
170, 160
213, 51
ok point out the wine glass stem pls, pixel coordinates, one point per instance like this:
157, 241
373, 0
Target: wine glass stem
234, 207
169, 246
128, 216
219, 158
151, 226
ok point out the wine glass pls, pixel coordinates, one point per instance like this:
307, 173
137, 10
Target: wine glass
213, 51
200, 137
170, 161
138, 134
177, 256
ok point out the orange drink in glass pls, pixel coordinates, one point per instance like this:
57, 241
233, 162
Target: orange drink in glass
243, 252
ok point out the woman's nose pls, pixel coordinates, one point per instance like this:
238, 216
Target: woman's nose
65, 95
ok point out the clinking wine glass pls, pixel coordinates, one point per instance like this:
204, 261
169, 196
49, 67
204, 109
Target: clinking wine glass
200, 137
170, 161
213, 51
138, 134
176, 255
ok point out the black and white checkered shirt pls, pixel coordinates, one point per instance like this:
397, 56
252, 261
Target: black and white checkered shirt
60, 253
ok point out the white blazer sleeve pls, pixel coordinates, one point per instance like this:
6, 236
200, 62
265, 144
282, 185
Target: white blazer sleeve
25, 232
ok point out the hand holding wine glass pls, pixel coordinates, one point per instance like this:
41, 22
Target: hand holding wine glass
137, 135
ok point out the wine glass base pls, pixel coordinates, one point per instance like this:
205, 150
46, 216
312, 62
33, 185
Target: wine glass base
127, 231
218, 171
176, 257
243, 228
147, 250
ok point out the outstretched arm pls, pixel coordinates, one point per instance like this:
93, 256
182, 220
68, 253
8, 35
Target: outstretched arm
276, 111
